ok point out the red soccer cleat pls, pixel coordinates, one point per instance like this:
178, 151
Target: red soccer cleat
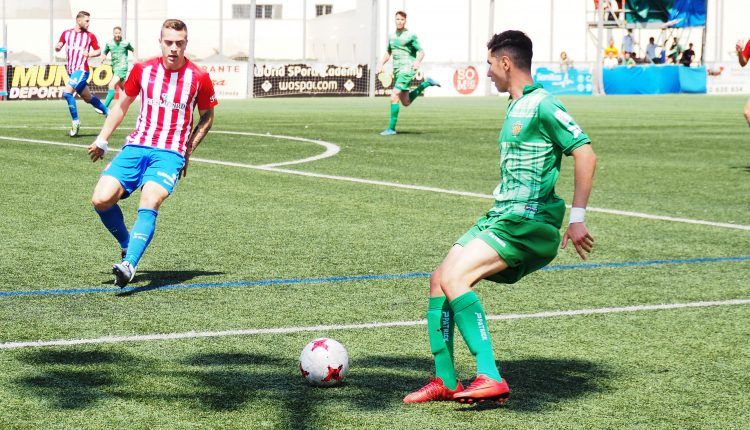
484, 389
434, 391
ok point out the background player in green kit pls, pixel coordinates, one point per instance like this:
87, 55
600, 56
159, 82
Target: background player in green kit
520, 234
119, 49
407, 57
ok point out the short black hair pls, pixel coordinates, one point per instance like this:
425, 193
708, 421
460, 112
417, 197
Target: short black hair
402, 13
515, 44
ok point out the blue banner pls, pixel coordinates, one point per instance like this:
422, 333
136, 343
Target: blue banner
688, 13
659, 79
574, 82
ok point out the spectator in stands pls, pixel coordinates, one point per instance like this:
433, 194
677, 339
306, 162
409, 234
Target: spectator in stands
627, 60
610, 61
674, 51
565, 62
651, 52
611, 49
627, 44
687, 56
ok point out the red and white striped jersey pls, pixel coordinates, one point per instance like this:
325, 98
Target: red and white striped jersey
168, 99
77, 44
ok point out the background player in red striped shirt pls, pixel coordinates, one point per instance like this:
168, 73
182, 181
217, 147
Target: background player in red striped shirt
743, 55
79, 42
156, 153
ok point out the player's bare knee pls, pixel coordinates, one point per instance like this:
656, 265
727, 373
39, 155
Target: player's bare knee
747, 113
450, 282
435, 288
102, 203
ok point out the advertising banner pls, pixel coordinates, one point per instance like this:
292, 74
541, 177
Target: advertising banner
573, 82
456, 80
286, 80
727, 78
3, 82
230, 79
44, 82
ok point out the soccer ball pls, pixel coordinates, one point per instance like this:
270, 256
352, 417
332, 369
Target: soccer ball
324, 362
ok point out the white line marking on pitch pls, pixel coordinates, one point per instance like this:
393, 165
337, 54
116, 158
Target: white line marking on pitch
363, 326
271, 168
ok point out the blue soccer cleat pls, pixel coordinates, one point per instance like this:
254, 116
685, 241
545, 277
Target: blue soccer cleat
101, 112
388, 132
432, 82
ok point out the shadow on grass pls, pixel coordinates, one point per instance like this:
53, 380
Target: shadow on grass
72, 379
745, 168
160, 278
539, 383
225, 382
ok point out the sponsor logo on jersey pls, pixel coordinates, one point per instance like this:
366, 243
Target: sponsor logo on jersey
167, 104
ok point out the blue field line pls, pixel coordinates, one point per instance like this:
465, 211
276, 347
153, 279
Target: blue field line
356, 278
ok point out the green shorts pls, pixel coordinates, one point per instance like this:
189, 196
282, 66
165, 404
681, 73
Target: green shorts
403, 80
526, 245
122, 73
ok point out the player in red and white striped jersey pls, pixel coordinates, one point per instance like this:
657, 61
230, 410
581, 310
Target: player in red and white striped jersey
156, 153
743, 55
79, 42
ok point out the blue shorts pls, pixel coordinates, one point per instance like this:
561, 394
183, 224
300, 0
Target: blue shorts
136, 165
78, 80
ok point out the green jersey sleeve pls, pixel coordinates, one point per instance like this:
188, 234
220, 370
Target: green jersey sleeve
106, 49
559, 127
415, 44
130, 48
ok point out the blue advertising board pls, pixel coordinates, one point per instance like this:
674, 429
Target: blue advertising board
574, 82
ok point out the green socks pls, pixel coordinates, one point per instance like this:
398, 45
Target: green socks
440, 330
472, 323
110, 96
413, 94
395, 107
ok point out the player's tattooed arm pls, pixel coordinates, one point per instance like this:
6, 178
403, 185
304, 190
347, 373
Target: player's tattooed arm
199, 132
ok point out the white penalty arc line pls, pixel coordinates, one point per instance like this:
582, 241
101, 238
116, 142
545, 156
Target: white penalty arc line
273, 168
363, 326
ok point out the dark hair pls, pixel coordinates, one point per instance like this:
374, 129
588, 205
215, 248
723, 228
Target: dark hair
82, 13
515, 44
117, 28
174, 24
402, 13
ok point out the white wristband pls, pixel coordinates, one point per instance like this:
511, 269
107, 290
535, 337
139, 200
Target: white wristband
577, 214
101, 144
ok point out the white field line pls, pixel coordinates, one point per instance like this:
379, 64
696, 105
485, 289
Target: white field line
271, 168
363, 326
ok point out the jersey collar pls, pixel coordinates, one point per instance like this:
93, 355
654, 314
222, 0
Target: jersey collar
529, 88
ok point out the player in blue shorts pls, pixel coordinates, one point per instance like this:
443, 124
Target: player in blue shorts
79, 41
156, 153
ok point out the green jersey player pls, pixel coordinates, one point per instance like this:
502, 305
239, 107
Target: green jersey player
407, 55
519, 234
119, 51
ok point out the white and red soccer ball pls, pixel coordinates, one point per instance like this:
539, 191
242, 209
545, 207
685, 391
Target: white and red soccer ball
324, 362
